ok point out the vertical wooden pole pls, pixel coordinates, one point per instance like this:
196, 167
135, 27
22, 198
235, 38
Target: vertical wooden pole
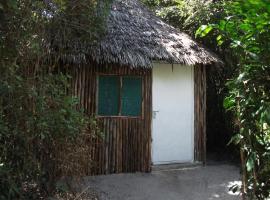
200, 113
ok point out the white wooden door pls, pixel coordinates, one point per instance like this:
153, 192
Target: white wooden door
173, 108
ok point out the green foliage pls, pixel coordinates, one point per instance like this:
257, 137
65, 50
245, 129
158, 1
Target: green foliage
40, 123
34, 118
246, 28
203, 30
187, 15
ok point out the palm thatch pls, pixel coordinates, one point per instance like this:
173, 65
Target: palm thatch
136, 37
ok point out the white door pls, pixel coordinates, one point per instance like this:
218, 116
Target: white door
173, 108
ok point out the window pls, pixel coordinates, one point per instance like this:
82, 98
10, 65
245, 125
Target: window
119, 95
108, 95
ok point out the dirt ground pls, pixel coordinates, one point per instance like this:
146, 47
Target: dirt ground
183, 183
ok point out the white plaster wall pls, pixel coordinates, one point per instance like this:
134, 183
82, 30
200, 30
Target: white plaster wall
173, 124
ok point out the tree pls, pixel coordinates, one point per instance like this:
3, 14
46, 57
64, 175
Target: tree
38, 117
246, 28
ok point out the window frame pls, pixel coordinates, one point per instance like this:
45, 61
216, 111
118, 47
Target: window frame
141, 116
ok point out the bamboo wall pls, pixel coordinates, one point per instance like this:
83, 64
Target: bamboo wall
126, 146
200, 113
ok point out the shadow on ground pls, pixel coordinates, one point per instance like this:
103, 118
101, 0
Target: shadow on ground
192, 183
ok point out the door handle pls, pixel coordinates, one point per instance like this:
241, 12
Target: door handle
154, 113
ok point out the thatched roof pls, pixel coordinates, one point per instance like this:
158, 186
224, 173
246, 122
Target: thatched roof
136, 37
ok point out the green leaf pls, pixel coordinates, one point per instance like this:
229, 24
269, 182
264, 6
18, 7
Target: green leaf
229, 103
265, 116
245, 27
235, 139
235, 43
222, 25
12, 3
219, 37
251, 161
203, 30
220, 40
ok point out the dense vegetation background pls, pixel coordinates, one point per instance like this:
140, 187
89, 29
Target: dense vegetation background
246, 28
42, 133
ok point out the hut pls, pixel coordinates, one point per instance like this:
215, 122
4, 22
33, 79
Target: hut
145, 81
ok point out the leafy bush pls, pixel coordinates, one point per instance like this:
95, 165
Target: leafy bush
36, 117
246, 27
187, 15
40, 123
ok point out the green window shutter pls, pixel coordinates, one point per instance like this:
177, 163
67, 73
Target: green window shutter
108, 95
131, 96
